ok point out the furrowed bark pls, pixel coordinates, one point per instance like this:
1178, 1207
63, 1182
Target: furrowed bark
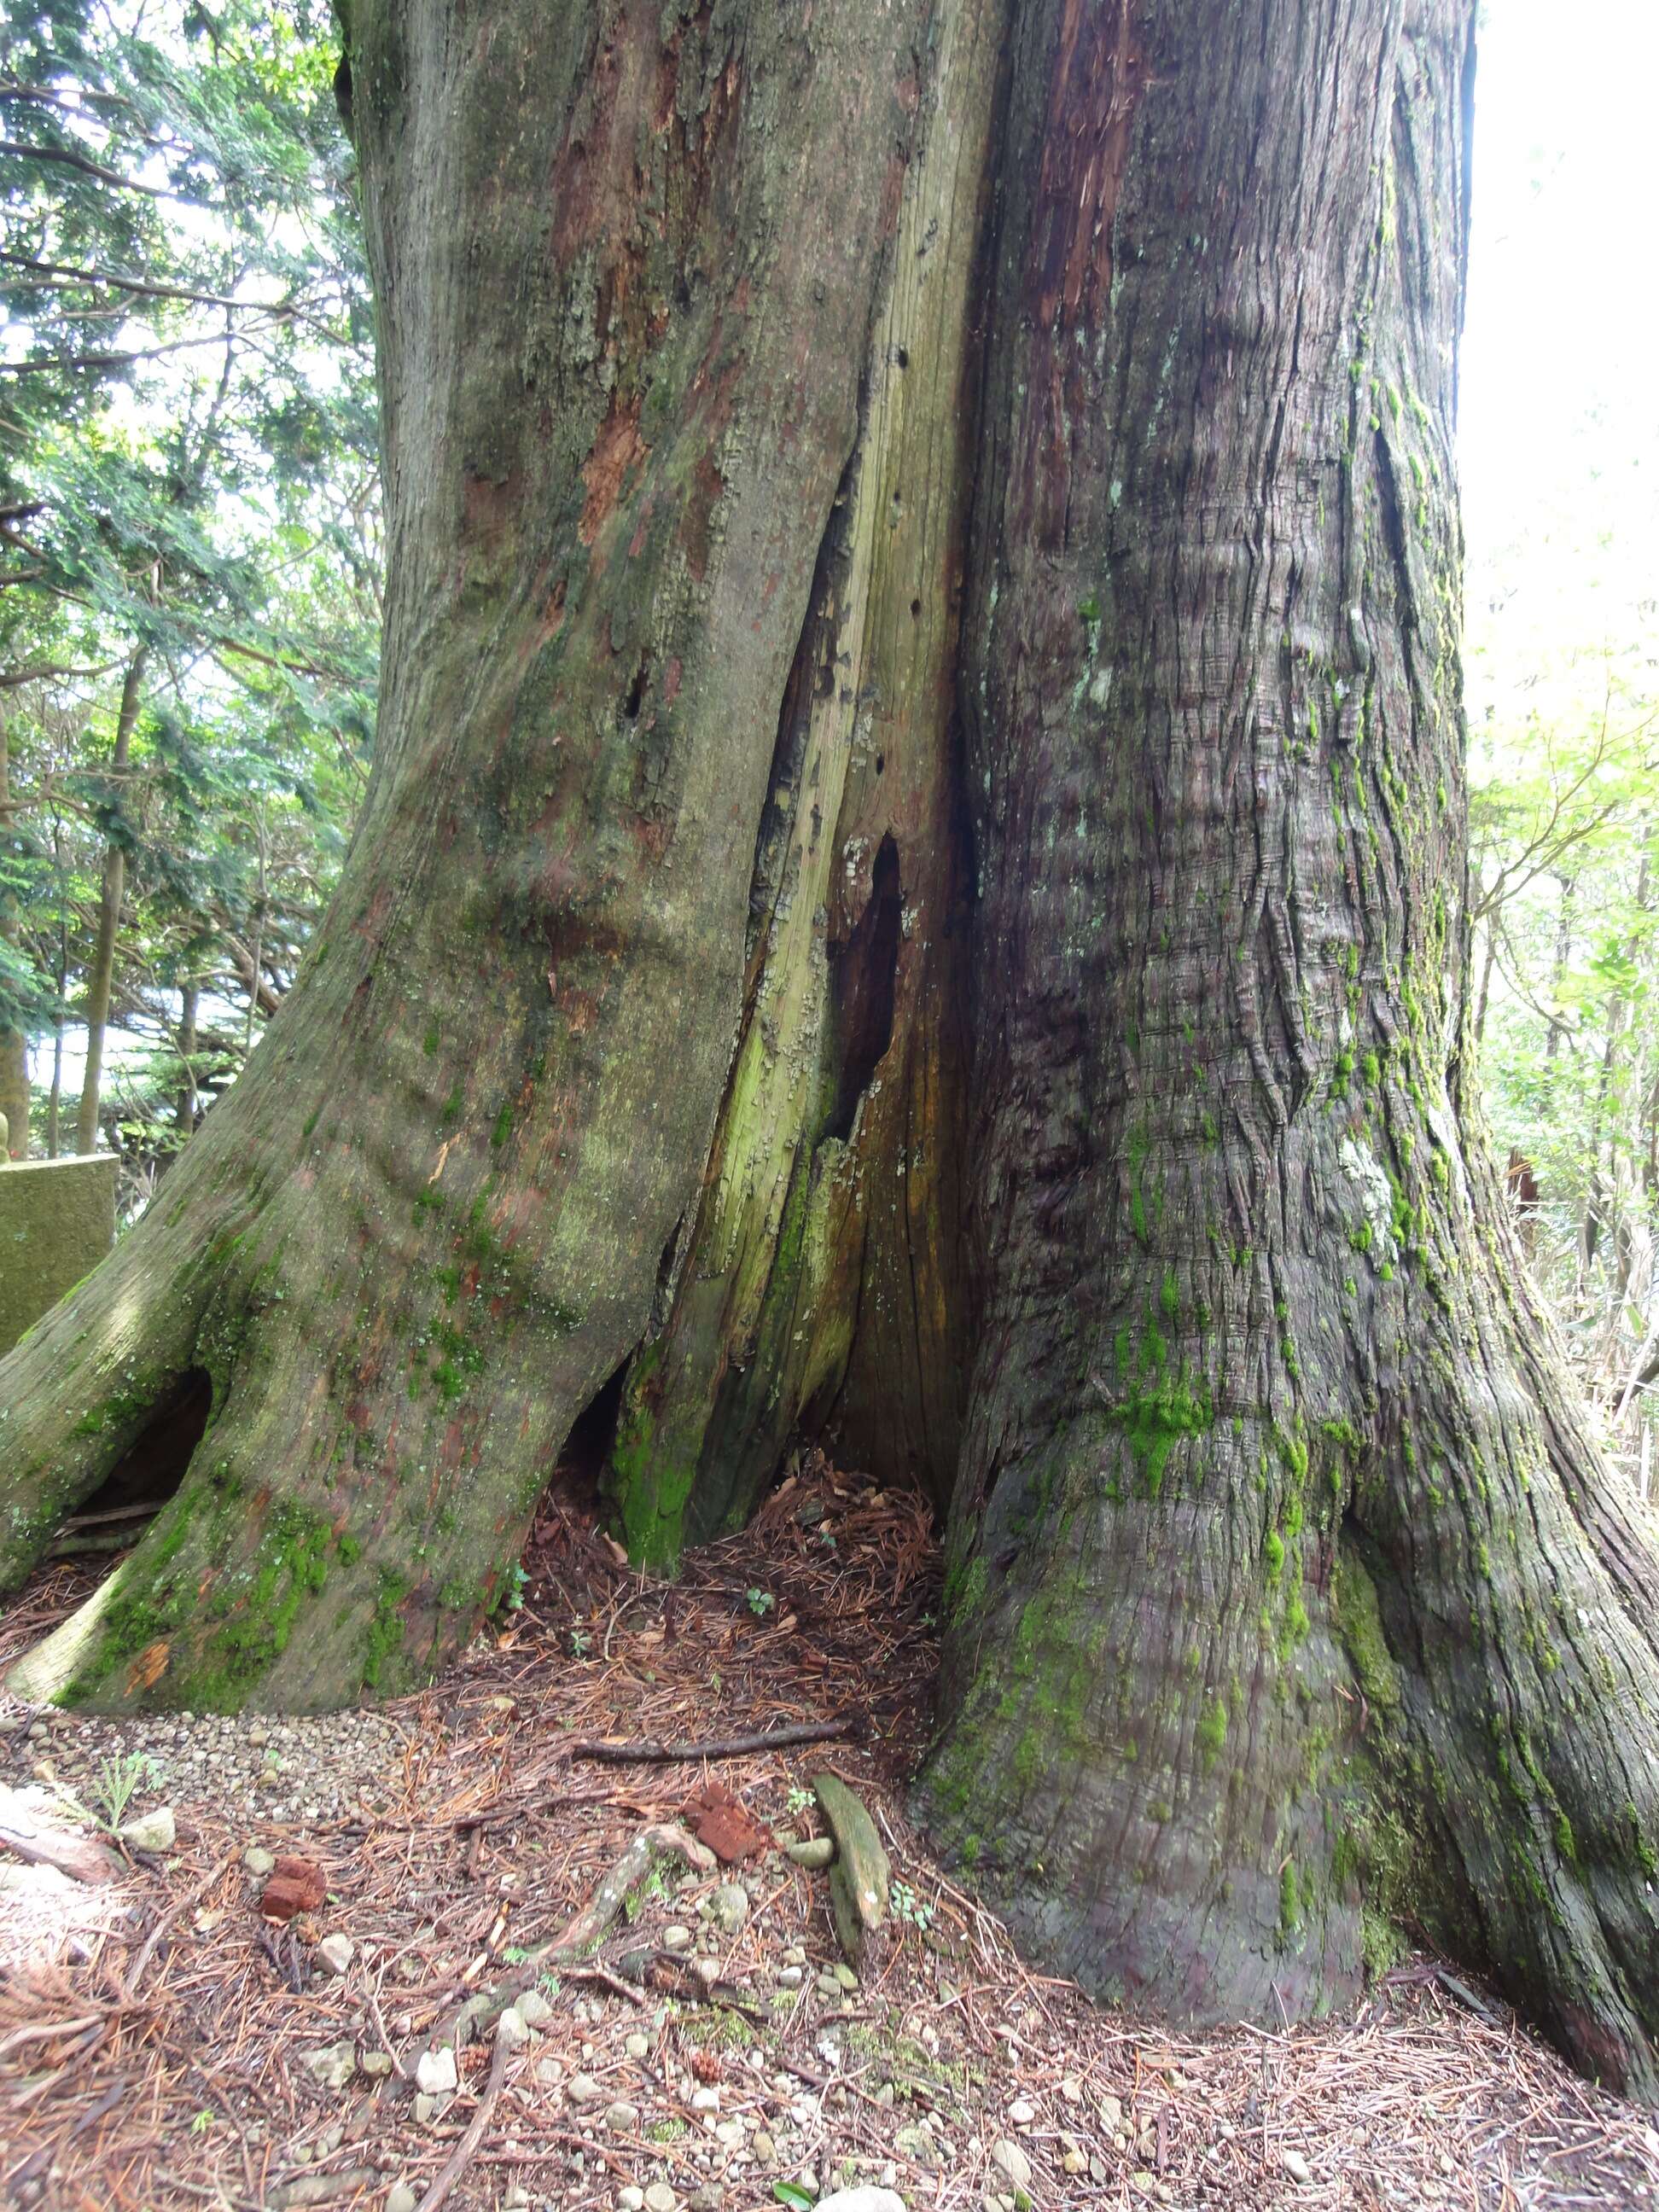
426, 1225
1267, 1596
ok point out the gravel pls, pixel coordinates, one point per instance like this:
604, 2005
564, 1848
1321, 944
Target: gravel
317, 1767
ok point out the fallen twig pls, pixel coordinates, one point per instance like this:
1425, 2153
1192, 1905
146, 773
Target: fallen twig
459, 2160
725, 1746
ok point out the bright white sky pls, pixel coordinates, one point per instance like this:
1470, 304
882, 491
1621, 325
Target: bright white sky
1558, 438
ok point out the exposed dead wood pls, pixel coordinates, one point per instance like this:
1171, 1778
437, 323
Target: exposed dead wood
27, 1828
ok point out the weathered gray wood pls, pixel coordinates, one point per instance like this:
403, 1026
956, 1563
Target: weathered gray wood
859, 1874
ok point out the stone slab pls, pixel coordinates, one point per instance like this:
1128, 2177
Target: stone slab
57, 1222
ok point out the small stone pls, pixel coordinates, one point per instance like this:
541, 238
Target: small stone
708, 2199
763, 2147
425, 2109
1012, 2161
1296, 2167
808, 2180
1073, 2157
707, 1972
790, 1978
400, 2197
435, 2072
677, 1939
155, 1830
259, 1862
622, 2118
1111, 2114
729, 1904
533, 2009
862, 2200
1143, 2183
1070, 2089
583, 2089
637, 2045
513, 2029
550, 2072
814, 1854
631, 2199
335, 1954
333, 2066
705, 2100
844, 1975
377, 2064
1021, 2113
660, 2198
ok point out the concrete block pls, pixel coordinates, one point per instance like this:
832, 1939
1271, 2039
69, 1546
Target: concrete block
57, 1222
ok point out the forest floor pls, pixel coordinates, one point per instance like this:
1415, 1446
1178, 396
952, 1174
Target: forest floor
164, 2045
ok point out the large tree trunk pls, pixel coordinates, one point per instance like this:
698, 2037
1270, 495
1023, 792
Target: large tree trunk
1284, 1573
621, 355
914, 883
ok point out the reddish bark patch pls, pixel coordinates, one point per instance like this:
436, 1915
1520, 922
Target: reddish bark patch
652, 831
616, 449
549, 623
708, 489
594, 184
1099, 75
719, 1818
148, 1668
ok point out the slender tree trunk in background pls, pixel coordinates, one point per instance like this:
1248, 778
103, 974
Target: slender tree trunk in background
14, 1045
1557, 1032
101, 975
183, 1105
55, 1094
915, 883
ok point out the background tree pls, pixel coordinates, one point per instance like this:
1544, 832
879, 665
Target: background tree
188, 585
1086, 486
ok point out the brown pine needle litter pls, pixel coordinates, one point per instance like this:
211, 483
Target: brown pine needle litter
162, 2046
